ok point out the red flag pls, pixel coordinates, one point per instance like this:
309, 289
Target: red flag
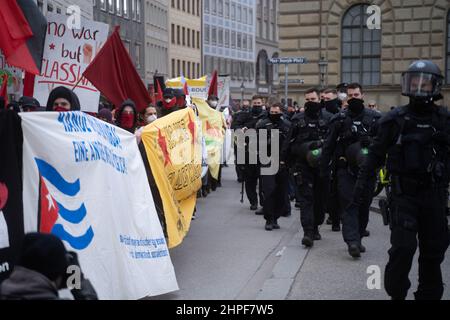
213, 85
159, 93
4, 88
113, 73
28, 84
22, 34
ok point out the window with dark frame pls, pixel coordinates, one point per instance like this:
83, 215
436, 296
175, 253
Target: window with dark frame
361, 48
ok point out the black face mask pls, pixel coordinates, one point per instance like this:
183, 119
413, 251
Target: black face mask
312, 108
356, 105
275, 117
333, 106
256, 110
421, 105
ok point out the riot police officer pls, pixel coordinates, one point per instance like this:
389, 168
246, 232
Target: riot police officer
274, 186
351, 132
245, 121
416, 140
333, 104
302, 151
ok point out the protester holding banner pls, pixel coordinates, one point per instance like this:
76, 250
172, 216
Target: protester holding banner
28, 104
62, 99
126, 117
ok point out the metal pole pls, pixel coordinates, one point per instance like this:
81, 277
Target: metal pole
286, 85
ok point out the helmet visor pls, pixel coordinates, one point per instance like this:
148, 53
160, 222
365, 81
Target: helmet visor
420, 84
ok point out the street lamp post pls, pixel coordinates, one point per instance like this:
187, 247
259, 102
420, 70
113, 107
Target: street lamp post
242, 92
323, 64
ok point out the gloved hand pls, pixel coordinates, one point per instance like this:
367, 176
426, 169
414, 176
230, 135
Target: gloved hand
315, 145
365, 141
86, 291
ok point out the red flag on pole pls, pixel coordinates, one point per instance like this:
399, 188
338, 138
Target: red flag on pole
22, 34
4, 88
213, 85
113, 73
159, 93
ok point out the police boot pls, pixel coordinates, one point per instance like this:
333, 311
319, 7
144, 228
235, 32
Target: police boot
269, 225
317, 235
354, 250
260, 212
308, 239
362, 249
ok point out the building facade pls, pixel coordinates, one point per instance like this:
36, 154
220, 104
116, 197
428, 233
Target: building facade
129, 15
185, 55
229, 43
156, 39
338, 32
266, 75
60, 6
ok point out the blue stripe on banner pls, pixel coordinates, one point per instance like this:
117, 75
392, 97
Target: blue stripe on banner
53, 176
73, 216
78, 243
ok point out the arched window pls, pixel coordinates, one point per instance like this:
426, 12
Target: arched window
262, 68
361, 48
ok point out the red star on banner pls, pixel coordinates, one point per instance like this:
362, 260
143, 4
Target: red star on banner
163, 145
52, 46
48, 209
191, 127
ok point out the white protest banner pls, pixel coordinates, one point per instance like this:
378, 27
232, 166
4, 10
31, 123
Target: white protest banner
84, 181
223, 90
67, 53
15, 83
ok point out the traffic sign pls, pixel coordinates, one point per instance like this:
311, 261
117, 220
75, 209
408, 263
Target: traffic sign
288, 60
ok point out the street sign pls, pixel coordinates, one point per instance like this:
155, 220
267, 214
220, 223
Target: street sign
301, 81
288, 60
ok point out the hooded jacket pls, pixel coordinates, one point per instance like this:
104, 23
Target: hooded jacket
127, 103
63, 92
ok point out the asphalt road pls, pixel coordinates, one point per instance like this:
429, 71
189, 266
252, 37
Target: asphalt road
227, 254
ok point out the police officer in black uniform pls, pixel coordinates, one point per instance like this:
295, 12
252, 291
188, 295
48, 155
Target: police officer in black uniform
274, 185
244, 122
416, 140
351, 132
245, 107
302, 151
333, 105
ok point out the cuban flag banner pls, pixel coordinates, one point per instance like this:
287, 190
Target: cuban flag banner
84, 181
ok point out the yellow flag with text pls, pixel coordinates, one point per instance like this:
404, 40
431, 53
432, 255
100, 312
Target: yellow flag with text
213, 124
174, 155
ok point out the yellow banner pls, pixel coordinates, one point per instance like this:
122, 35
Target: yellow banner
174, 155
213, 124
198, 88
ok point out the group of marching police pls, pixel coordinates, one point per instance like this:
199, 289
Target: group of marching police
329, 152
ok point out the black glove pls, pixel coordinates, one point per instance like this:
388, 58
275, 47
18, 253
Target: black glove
365, 141
86, 291
315, 145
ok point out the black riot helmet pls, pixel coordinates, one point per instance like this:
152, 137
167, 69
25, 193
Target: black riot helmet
422, 80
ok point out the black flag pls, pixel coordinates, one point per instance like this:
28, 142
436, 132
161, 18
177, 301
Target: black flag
11, 208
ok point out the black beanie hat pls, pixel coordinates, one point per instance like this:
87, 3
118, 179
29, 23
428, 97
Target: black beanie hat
63, 92
44, 253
